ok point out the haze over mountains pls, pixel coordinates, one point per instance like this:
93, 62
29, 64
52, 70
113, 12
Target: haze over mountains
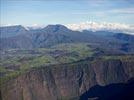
89, 25
19, 37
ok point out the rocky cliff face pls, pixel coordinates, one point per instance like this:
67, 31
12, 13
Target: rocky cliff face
68, 81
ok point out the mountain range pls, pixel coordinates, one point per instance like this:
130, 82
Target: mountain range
19, 37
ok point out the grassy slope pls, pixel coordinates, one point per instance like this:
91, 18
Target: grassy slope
16, 62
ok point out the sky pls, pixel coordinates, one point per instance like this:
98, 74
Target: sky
43, 12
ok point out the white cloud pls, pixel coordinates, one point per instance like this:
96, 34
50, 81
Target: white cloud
3, 25
94, 26
34, 26
123, 11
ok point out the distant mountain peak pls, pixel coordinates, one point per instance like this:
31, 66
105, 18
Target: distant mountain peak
55, 28
14, 26
10, 31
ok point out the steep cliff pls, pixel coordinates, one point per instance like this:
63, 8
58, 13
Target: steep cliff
67, 81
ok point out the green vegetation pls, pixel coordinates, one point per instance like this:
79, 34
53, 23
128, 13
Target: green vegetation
2, 69
9, 76
15, 62
121, 57
81, 48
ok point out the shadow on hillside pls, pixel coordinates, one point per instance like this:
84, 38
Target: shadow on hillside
120, 91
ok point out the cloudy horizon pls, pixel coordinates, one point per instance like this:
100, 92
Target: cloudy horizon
88, 25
